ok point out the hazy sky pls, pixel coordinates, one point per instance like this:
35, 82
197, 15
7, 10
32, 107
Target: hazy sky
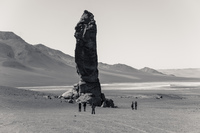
140, 33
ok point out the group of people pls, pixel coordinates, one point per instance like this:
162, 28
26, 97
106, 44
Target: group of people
134, 105
84, 107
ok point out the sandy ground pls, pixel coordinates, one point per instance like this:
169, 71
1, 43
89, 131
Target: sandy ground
23, 111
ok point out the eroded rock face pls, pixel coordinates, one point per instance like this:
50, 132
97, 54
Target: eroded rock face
85, 52
86, 58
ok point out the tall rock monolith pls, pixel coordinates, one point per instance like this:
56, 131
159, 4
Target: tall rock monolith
86, 59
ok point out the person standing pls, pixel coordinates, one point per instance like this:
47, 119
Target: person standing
84, 106
93, 108
132, 105
79, 107
135, 105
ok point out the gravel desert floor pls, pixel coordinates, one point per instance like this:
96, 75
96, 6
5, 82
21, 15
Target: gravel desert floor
177, 111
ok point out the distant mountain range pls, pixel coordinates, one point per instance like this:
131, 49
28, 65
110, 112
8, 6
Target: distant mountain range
152, 71
187, 72
23, 64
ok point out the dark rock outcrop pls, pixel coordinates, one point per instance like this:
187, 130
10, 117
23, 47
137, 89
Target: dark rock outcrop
86, 59
108, 103
85, 52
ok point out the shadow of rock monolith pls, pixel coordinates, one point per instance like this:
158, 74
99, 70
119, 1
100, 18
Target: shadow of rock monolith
89, 87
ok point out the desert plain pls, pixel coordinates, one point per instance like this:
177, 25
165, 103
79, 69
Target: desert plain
164, 107
37, 75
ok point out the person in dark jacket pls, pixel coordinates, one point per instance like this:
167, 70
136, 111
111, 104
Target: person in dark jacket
84, 106
93, 108
79, 107
132, 105
135, 105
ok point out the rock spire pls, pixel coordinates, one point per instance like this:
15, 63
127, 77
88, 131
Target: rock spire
86, 59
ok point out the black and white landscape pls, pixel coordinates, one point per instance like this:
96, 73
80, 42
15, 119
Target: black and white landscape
58, 54
32, 76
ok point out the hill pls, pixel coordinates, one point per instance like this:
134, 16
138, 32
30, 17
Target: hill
187, 72
56, 55
152, 71
23, 64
